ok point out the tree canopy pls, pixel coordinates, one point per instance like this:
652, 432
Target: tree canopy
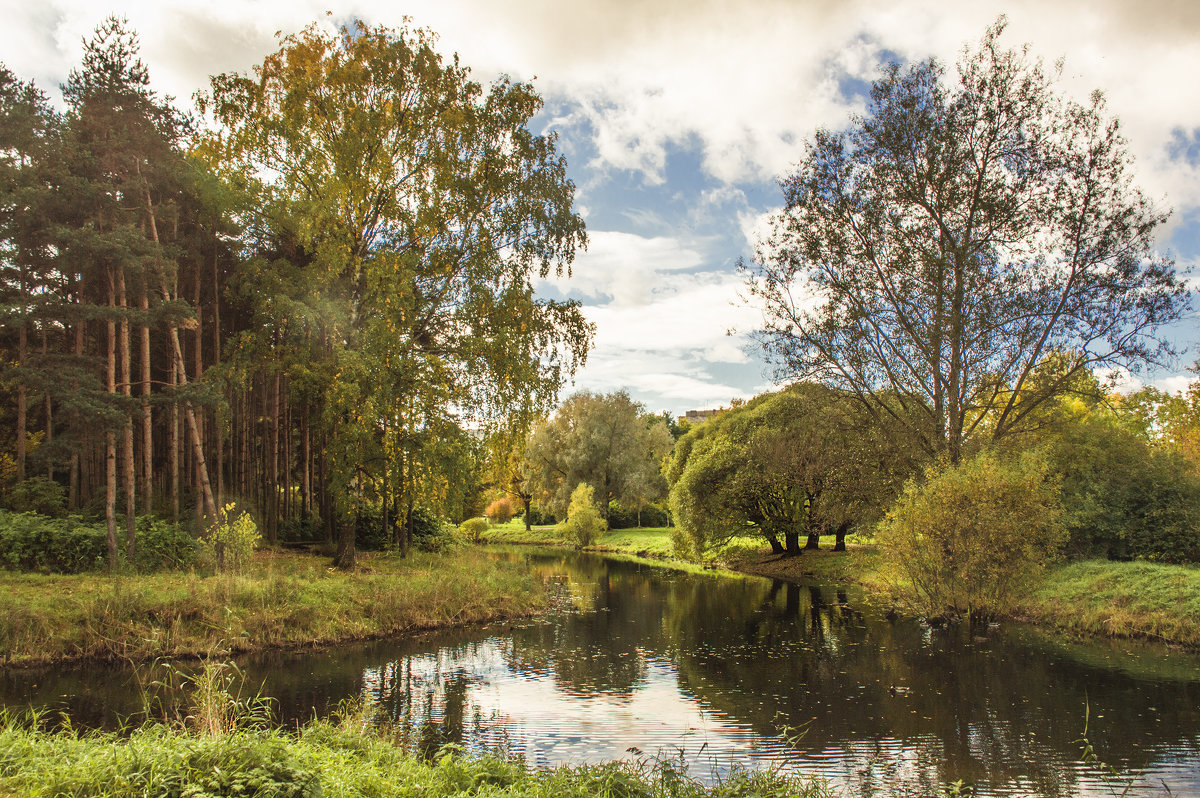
607, 441
803, 461
421, 208
959, 232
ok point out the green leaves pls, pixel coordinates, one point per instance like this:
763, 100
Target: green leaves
409, 209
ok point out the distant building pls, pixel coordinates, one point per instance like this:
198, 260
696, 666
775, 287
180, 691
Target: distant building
700, 416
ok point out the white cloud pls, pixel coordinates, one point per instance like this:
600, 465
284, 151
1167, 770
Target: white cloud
690, 313
628, 268
1176, 383
746, 81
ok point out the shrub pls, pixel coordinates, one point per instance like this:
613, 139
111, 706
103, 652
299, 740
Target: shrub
473, 529
432, 533
583, 522
228, 545
540, 517
1123, 498
301, 529
972, 535
37, 495
501, 511
162, 545
31, 542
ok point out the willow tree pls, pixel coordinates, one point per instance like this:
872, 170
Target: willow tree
932, 255
605, 440
805, 461
424, 208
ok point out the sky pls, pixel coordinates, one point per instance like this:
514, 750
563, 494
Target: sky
677, 117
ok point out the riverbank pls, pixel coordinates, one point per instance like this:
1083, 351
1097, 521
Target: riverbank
1136, 600
648, 542
283, 600
334, 760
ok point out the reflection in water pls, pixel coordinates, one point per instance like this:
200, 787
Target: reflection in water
711, 670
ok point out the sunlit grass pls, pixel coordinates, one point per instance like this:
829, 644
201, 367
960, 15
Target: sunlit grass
644, 541
329, 759
1120, 599
282, 600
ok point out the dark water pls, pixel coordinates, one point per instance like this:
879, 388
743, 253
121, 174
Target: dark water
718, 671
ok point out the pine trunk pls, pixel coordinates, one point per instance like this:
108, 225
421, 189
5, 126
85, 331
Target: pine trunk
110, 439
198, 361
147, 418
22, 398
129, 467
174, 444
48, 410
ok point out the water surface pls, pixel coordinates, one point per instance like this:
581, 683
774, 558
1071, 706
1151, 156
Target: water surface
717, 671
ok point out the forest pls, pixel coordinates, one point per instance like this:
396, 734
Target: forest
312, 297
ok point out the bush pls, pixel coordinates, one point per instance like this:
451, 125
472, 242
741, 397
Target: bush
162, 545
473, 529
432, 533
228, 545
37, 495
970, 537
540, 517
583, 522
31, 542
301, 529
501, 511
71, 545
1123, 498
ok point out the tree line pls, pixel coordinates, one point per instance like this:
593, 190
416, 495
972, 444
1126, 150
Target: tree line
312, 295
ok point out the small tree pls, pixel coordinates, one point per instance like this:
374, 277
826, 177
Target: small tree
501, 511
968, 538
583, 522
228, 545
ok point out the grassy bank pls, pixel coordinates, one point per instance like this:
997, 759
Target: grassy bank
326, 759
1120, 599
282, 600
1138, 600
645, 544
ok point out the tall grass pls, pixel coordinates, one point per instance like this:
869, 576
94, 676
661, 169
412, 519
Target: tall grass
332, 758
283, 600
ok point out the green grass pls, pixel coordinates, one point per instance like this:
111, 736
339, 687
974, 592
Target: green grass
331, 759
282, 600
1120, 599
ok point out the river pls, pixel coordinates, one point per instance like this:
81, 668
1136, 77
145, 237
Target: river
718, 671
